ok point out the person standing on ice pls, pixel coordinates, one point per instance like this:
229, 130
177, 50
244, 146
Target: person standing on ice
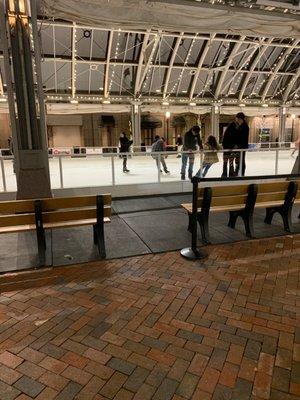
242, 141
125, 144
159, 146
191, 141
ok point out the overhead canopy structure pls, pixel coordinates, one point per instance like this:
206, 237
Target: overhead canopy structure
176, 15
175, 53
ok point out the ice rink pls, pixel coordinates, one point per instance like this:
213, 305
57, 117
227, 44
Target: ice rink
94, 171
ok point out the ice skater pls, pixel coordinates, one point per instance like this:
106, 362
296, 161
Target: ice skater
159, 146
125, 144
210, 156
190, 142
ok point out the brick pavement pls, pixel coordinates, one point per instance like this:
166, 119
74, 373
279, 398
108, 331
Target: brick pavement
156, 327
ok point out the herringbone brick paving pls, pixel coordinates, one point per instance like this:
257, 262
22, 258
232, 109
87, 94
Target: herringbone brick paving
156, 327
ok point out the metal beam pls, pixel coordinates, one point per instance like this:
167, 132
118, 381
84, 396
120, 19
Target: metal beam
290, 86
166, 34
148, 64
276, 70
108, 54
184, 65
73, 77
91, 56
233, 53
54, 56
123, 67
141, 62
240, 69
200, 64
288, 66
171, 64
252, 68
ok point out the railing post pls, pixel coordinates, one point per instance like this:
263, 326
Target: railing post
201, 162
61, 172
159, 168
3, 175
113, 175
241, 162
276, 162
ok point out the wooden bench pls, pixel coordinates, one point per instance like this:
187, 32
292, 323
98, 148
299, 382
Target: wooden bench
39, 215
240, 200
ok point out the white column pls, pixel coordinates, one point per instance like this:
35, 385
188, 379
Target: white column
136, 124
215, 118
282, 123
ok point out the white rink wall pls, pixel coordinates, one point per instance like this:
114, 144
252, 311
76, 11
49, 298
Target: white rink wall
96, 171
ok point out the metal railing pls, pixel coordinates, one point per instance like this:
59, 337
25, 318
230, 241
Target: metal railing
112, 166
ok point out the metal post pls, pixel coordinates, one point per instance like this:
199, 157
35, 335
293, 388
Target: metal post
215, 117
159, 168
136, 124
241, 162
19, 36
276, 162
282, 123
61, 176
192, 253
113, 175
201, 163
3, 175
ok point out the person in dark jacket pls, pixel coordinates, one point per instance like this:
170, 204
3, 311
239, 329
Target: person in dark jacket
229, 143
125, 144
242, 141
190, 142
159, 146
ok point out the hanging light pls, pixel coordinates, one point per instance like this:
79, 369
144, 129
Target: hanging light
168, 114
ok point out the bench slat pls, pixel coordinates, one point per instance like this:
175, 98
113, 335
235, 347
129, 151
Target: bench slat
16, 206
71, 215
16, 229
68, 224
228, 200
270, 197
27, 206
17, 220
273, 187
219, 191
73, 202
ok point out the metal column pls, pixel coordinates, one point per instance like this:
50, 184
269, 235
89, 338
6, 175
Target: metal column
19, 35
136, 124
282, 124
215, 119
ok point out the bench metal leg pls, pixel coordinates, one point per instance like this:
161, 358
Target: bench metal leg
41, 241
247, 219
249, 227
40, 233
204, 227
99, 239
233, 216
287, 220
95, 234
269, 215
286, 215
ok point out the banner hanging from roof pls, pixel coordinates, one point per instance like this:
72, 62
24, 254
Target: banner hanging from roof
177, 16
